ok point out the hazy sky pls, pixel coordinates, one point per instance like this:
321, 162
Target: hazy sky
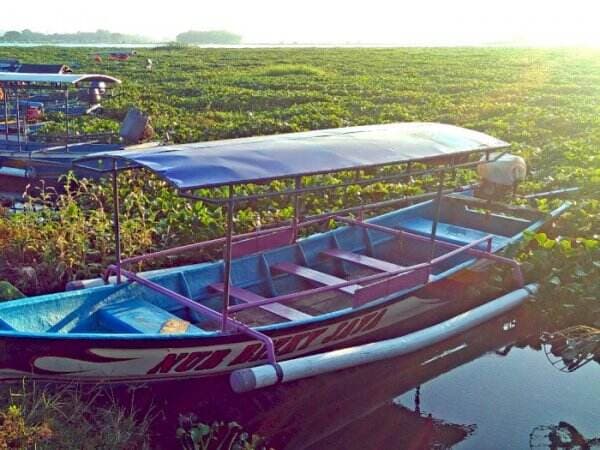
451, 22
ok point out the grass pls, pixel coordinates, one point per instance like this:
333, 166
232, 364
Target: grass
70, 416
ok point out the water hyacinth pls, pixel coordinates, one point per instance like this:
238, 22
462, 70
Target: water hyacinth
542, 101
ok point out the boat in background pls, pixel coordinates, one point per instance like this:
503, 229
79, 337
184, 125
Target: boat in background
25, 100
285, 291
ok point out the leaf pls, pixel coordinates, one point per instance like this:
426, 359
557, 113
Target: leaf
565, 244
555, 281
204, 429
541, 238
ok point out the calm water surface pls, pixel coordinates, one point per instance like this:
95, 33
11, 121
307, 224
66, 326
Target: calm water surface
510, 397
491, 388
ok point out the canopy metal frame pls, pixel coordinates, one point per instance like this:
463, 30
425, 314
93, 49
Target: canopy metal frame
188, 167
439, 167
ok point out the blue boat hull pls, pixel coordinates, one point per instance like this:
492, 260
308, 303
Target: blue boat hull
127, 359
114, 333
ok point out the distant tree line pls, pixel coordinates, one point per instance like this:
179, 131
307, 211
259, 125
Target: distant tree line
208, 37
96, 37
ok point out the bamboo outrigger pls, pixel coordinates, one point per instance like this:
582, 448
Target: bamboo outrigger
277, 296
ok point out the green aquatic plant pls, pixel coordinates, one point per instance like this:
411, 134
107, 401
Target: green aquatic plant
59, 416
16, 433
196, 435
280, 70
9, 292
569, 273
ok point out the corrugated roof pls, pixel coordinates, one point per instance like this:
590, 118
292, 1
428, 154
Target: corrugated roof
248, 160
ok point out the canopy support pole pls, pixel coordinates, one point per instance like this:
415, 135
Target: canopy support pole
66, 119
116, 223
5, 95
438, 209
227, 257
25, 136
18, 111
361, 208
296, 220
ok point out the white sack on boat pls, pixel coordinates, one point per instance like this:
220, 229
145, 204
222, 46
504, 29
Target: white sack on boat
506, 170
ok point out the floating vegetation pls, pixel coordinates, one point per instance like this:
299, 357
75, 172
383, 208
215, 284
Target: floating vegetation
543, 101
196, 435
281, 70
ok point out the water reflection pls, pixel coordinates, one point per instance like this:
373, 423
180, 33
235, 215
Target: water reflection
572, 348
489, 388
559, 437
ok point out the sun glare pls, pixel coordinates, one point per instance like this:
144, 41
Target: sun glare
428, 22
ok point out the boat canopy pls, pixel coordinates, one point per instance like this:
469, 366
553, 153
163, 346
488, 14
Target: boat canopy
259, 159
62, 78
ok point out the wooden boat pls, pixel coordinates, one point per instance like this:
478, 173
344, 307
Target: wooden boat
277, 295
22, 160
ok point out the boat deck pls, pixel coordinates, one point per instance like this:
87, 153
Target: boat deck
277, 282
312, 264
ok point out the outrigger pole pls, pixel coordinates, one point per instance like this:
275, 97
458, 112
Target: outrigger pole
245, 380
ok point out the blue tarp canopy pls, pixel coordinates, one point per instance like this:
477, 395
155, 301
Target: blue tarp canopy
257, 159
61, 78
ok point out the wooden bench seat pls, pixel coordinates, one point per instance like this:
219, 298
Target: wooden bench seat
250, 297
314, 275
362, 260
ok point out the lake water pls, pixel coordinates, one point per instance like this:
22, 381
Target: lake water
491, 388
